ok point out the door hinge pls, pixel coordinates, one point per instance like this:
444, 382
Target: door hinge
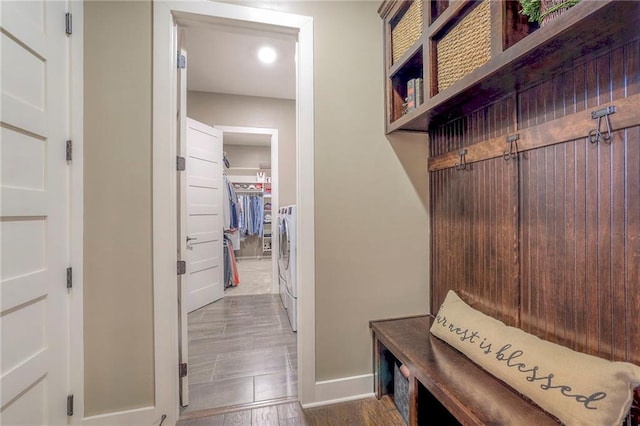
69, 150
68, 23
183, 370
69, 277
181, 164
182, 267
70, 405
182, 61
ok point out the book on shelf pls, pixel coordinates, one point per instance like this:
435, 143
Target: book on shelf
415, 94
419, 92
411, 94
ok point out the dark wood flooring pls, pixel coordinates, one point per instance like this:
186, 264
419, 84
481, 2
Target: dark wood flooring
364, 412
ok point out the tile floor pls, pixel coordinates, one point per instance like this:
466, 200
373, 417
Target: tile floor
241, 351
256, 277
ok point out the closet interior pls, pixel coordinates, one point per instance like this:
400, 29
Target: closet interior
249, 176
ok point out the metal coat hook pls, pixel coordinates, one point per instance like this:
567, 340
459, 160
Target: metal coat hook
512, 140
596, 134
462, 164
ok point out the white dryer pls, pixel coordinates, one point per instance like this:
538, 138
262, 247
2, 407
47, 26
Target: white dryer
283, 248
288, 253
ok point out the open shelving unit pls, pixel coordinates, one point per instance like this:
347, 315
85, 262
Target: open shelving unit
267, 234
515, 52
248, 185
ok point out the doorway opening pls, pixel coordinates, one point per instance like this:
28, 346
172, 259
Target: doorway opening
242, 349
167, 15
251, 164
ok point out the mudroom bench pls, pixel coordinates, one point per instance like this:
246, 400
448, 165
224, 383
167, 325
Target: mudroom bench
445, 387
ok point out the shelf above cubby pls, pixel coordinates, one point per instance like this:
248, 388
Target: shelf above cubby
582, 32
406, 57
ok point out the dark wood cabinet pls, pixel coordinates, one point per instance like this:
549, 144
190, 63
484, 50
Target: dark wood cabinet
535, 222
547, 241
515, 53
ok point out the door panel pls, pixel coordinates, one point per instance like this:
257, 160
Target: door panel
34, 225
204, 215
202, 224
23, 160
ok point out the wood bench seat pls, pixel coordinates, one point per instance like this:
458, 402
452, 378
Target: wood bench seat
442, 380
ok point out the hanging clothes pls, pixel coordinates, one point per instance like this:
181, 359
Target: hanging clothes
227, 264
234, 267
234, 237
230, 205
250, 221
231, 276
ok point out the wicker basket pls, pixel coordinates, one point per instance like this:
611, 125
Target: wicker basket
465, 47
401, 393
407, 30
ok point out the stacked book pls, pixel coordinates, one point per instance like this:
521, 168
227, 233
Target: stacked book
415, 94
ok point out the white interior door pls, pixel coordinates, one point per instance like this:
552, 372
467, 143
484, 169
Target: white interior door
34, 210
204, 215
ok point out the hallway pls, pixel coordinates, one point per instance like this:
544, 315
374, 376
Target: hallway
241, 351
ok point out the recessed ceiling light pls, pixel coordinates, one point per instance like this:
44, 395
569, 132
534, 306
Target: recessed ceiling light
267, 54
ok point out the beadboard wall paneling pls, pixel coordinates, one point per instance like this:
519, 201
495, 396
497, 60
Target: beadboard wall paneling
493, 120
579, 220
550, 243
580, 245
474, 244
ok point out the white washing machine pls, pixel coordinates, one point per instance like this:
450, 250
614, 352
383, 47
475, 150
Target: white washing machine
288, 249
283, 248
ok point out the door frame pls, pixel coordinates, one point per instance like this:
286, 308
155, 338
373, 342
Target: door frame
165, 191
274, 184
76, 210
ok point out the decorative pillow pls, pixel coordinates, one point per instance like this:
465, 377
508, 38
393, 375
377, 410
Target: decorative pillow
577, 388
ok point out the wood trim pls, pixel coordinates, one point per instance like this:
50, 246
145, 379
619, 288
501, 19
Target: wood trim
385, 8
570, 127
497, 27
402, 61
234, 408
453, 12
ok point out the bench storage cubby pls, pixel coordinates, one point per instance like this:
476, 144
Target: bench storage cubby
445, 387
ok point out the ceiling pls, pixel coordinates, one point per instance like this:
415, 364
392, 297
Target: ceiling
222, 58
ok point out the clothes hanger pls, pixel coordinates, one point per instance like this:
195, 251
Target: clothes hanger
224, 160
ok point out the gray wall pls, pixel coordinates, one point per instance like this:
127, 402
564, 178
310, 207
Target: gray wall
249, 111
372, 245
371, 223
118, 289
247, 155
371, 220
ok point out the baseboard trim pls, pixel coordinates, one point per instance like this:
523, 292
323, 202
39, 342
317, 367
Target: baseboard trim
234, 408
342, 390
139, 416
